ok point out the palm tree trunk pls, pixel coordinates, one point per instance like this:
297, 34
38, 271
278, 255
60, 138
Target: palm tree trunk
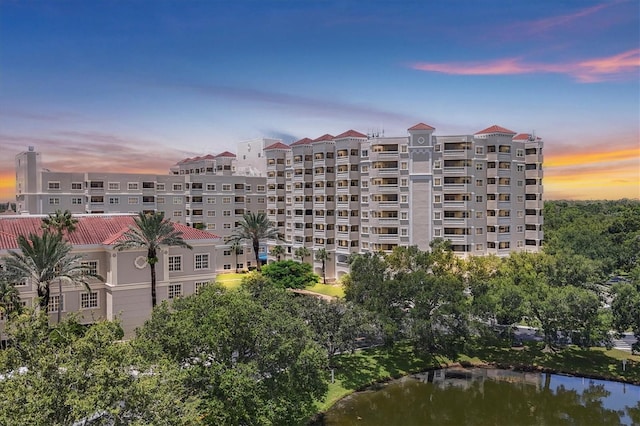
324, 273
256, 248
153, 284
59, 299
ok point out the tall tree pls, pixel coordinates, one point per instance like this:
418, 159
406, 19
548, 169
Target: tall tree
9, 297
43, 260
277, 252
62, 223
322, 256
301, 253
254, 227
151, 231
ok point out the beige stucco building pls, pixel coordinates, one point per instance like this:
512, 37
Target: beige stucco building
125, 291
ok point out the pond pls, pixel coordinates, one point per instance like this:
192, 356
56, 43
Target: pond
479, 396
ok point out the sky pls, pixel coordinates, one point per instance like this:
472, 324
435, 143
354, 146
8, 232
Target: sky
138, 85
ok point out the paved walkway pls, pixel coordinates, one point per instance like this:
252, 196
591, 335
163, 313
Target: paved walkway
313, 293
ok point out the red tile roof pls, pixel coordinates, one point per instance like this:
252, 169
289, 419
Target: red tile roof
495, 129
304, 141
278, 145
521, 137
226, 154
208, 157
350, 134
325, 137
421, 126
90, 230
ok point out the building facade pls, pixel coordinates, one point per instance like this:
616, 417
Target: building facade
350, 193
125, 291
354, 193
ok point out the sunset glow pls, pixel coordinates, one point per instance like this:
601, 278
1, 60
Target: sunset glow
138, 86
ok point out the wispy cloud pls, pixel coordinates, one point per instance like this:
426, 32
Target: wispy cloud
624, 65
546, 24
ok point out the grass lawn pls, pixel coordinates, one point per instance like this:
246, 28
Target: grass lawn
335, 290
231, 280
366, 367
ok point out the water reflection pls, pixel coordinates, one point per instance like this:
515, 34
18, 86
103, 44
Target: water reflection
490, 397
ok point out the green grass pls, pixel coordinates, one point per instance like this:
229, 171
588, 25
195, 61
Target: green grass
334, 290
366, 367
230, 280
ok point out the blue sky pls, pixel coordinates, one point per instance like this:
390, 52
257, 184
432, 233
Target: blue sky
124, 85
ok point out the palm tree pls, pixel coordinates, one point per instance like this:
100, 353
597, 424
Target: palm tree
43, 260
151, 231
322, 256
277, 252
61, 223
301, 253
254, 227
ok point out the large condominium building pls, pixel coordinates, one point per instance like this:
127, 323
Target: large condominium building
353, 193
209, 192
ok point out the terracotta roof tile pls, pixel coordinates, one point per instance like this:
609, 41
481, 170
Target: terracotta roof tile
495, 129
90, 230
208, 157
325, 137
521, 137
421, 126
350, 134
226, 154
304, 141
278, 145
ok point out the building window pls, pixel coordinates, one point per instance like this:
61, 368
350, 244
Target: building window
177, 213
177, 200
226, 187
132, 186
54, 185
113, 186
201, 261
478, 198
55, 302
54, 200
437, 182
226, 226
211, 200
520, 167
519, 153
211, 213
175, 290
177, 187
76, 185
479, 182
211, 187
160, 200
479, 150
479, 247
437, 215
226, 213
91, 266
479, 166
437, 232
160, 186
404, 198
133, 200
76, 200
437, 164
114, 200
227, 267
226, 200
89, 300
404, 165
175, 263
404, 215
96, 184
200, 285
479, 231
504, 245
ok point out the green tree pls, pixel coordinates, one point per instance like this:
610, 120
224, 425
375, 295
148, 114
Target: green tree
277, 252
301, 253
322, 256
62, 223
9, 297
69, 373
43, 260
404, 260
250, 364
625, 307
151, 231
290, 274
253, 228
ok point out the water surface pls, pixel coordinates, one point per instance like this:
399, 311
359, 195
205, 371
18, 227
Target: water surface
490, 397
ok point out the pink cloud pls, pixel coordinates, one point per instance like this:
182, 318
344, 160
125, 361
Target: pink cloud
620, 66
545, 24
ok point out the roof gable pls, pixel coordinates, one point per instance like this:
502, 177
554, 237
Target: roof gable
277, 145
325, 137
226, 154
350, 134
303, 141
495, 129
421, 126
